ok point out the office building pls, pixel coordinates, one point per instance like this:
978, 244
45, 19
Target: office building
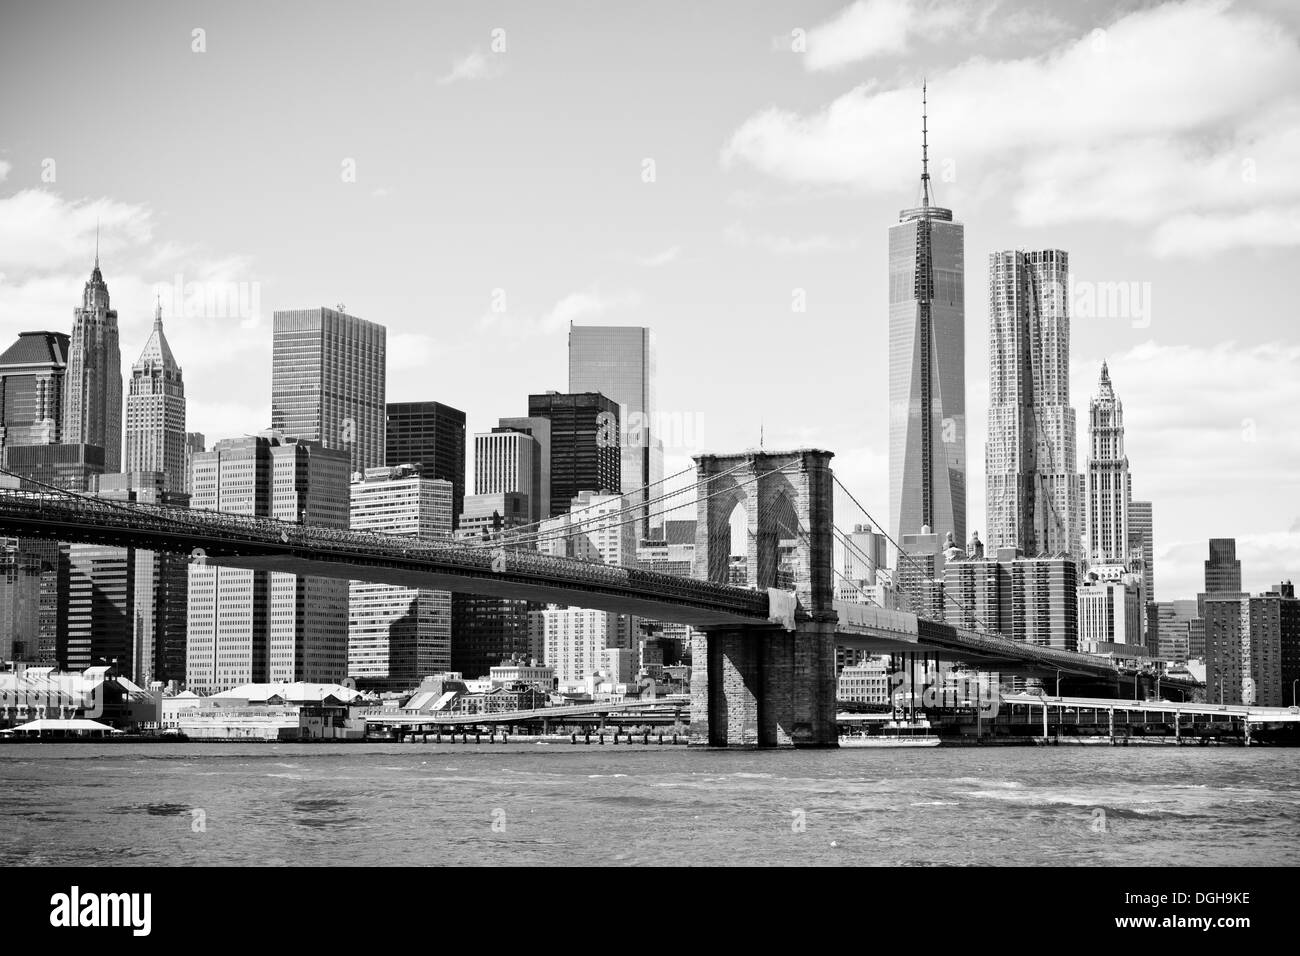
327, 382
1109, 486
866, 682
1110, 613
1250, 647
431, 436
1222, 571
507, 461
20, 603
927, 368
620, 363
92, 385
1141, 542
32, 372
596, 527
920, 572
253, 626
574, 640
195, 442
1031, 599
155, 412
584, 457
127, 607
1031, 478
1176, 630
398, 635
71, 468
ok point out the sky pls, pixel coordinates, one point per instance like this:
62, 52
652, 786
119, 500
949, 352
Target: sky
475, 176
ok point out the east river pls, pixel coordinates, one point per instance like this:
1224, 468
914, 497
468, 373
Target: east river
538, 804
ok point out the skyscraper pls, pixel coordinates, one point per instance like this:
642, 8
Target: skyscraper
1223, 569
327, 382
398, 635
92, 386
927, 375
620, 363
1141, 540
32, 372
509, 461
127, 606
155, 411
251, 626
583, 458
1032, 480
431, 436
1108, 482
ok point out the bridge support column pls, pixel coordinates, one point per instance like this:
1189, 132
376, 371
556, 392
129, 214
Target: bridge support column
763, 686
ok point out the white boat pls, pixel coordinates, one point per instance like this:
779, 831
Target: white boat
893, 733
880, 740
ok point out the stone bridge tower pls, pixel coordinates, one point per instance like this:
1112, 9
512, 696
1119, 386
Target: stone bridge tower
767, 685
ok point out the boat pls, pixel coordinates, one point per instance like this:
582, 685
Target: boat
892, 733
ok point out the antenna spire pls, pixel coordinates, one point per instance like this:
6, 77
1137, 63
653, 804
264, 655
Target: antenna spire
97, 242
925, 150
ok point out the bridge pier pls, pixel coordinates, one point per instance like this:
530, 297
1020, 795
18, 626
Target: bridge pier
764, 686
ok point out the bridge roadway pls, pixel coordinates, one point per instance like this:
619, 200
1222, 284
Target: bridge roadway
240, 541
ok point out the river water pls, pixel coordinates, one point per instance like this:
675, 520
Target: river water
537, 804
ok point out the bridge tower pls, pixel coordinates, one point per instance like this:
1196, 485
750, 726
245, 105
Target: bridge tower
770, 685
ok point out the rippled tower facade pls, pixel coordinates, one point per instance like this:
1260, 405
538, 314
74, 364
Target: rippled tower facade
927, 375
1030, 458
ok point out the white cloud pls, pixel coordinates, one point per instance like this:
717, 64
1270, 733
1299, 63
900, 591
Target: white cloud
659, 258
40, 230
1218, 467
475, 65
784, 245
4, 170
871, 28
575, 307
212, 306
1185, 109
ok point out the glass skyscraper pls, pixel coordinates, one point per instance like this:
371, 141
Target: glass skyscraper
620, 363
1031, 477
927, 375
581, 460
327, 382
431, 436
31, 388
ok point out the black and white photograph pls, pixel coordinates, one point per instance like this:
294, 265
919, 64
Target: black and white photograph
642, 435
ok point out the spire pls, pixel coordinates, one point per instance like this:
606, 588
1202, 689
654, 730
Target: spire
157, 311
1104, 387
96, 244
925, 152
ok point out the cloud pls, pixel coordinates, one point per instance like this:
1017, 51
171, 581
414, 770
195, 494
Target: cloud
871, 28
475, 65
575, 307
784, 245
212, 305
1215, 140
39, 230
4, 170
659, 258
1214, 468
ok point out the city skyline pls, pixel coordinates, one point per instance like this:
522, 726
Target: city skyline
1241, 435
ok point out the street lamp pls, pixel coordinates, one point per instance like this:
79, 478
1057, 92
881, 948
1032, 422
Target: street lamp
1293, 691
1058, 683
